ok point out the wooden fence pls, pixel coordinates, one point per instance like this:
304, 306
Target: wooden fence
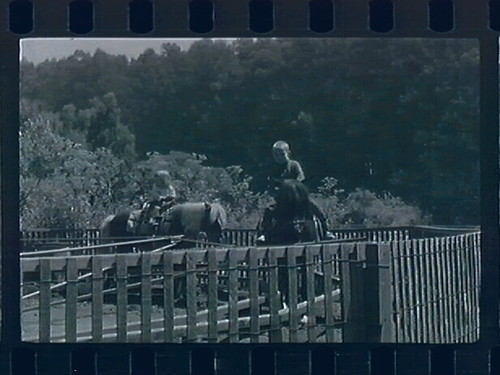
412, 291
423, 290
215, 295
436, 284
43, 239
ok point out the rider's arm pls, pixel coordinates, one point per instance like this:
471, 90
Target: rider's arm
296, 169
171, 191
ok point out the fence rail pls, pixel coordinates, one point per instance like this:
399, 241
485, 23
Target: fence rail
43, 239
397, 288
212, 295
49, 239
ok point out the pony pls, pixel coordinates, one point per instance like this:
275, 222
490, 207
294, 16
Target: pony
194, 221
293, 218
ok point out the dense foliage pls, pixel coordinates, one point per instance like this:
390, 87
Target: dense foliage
392, 121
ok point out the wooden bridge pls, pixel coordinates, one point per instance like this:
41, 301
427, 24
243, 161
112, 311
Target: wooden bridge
408, 284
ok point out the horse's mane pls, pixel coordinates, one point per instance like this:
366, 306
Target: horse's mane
293, 200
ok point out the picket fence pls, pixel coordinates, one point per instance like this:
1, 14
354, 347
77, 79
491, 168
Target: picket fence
436, 288
212, 295
392, 288
413, 291
43, 239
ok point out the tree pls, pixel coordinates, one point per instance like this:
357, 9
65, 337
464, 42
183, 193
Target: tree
105, 128
404, 120
62, 183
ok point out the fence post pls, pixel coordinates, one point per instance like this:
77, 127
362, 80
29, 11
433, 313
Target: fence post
377, 293
366, 293
352, 294
386, 301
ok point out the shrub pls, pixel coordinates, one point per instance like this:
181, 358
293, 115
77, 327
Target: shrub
366, 208
363, 207
62, 184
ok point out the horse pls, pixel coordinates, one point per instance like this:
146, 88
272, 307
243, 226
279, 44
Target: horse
293, 218
194, 221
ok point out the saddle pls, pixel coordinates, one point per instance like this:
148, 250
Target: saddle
151, 214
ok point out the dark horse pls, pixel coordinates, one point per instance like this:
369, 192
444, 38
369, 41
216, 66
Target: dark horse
194, 221
293, 218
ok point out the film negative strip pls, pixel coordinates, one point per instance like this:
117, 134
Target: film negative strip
249, 187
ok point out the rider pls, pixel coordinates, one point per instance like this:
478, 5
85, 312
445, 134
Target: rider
162, 196
162, 187
287, 168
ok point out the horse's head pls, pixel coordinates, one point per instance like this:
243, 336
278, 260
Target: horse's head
292, 199
214, 221
218, 215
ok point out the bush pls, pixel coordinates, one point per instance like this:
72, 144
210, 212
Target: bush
363, 207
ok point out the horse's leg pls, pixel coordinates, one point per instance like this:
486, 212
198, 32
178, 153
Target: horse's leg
302, 278
318, 230
202, 238
212, 234
283, 281
265, 226
321, 223
180, 288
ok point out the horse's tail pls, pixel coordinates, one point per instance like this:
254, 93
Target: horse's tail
318, 230
105, 227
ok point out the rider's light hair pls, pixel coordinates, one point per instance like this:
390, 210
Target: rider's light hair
282, 145
162, 173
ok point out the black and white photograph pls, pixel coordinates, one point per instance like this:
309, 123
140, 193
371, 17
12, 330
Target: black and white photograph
250, 190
